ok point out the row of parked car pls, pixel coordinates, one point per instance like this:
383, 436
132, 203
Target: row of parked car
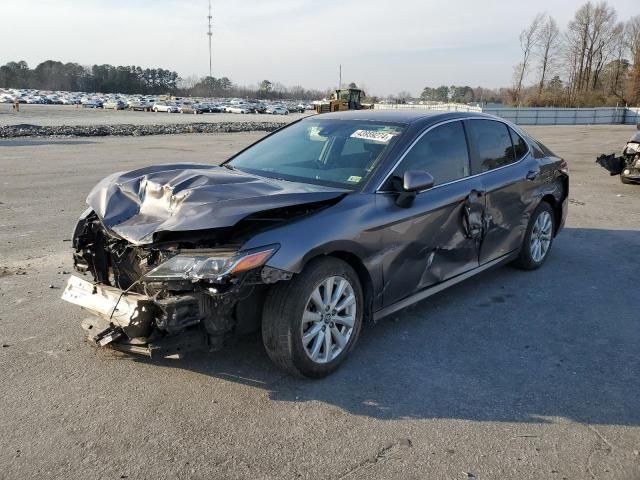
201, 107
149, 103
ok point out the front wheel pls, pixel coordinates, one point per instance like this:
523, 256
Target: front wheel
625, 180
310, 323
537, 239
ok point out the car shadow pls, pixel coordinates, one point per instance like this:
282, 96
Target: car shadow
507, 345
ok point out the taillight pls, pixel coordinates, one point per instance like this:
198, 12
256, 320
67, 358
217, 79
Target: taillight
564, 167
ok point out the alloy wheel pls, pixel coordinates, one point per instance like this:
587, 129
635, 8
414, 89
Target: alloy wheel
328, 319
541, 236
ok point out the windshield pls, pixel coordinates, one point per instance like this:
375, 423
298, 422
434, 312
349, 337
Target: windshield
325, 152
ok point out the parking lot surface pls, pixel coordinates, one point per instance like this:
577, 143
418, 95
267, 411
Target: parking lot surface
53, 115
510, 375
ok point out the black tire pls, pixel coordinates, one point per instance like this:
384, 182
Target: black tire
525, 260
625, 181
282, 317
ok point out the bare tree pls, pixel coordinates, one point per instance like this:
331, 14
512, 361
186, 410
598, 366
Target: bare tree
615, 65
577, 38
632, 43
189, 82
548, 42
590, 40
404, 96
528, 41
606, 37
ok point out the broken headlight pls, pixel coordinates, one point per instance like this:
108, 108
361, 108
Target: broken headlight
203, 265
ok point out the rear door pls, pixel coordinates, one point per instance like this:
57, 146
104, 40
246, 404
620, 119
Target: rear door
509, 173
437, 236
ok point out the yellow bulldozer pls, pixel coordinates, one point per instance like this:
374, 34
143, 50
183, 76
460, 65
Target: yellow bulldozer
344, 99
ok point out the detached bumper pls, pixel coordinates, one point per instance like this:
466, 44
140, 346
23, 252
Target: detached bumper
108, 303
128, 313
127, 321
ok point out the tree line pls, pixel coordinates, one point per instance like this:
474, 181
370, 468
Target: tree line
224, 87
73, 77
462, 94
594, 61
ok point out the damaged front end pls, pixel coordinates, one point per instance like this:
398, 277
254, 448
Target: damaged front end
163, 245
167, 297
627, 165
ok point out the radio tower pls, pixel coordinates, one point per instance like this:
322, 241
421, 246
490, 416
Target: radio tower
210, 34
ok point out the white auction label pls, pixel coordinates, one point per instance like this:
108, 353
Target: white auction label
373, 135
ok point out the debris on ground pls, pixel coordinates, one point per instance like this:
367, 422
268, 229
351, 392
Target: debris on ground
627, 165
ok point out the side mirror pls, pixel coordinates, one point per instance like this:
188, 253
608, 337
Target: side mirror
416, 181
413, 181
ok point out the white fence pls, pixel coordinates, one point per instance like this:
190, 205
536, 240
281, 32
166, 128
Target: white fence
539, 116
441, 107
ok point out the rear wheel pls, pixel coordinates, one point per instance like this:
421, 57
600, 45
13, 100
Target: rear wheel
537, 239
310, 323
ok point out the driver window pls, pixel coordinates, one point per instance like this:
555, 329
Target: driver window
442, 152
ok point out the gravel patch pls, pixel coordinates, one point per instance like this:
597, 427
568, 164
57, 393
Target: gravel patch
128, 130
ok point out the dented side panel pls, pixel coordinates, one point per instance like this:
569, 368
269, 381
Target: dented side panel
433, 240
510, 201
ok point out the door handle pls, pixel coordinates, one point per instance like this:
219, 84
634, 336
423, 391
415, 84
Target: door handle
532, 174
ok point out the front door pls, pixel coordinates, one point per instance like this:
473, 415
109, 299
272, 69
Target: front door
438, 235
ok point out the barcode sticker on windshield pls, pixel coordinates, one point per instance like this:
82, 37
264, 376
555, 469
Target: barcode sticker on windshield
373, 135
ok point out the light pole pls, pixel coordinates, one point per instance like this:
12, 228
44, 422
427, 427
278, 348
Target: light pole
210, 34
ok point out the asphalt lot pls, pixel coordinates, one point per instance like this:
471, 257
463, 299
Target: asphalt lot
52, 115
510, 375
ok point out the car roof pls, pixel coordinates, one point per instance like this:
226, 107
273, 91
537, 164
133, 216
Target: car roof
404, 116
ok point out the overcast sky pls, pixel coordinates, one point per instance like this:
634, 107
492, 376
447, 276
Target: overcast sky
386, 45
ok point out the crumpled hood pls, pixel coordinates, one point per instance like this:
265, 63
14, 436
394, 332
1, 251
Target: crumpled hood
183, 197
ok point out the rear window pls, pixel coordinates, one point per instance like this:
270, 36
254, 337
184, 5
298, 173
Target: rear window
520, 146
492, 143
